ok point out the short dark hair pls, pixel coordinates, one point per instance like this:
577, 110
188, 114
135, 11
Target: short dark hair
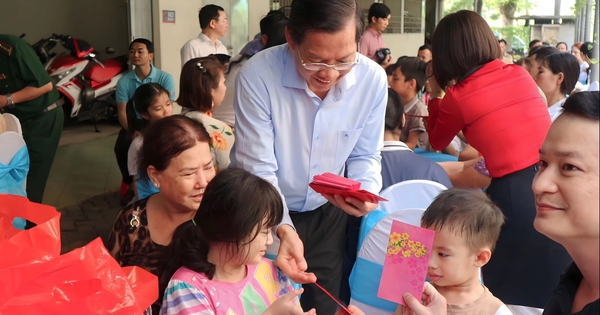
563, 44
461, 41
587, 48
378, 10
198, 77
143, 97
533, 42
166, 139
389, 70
273, 26
542, 51
222, 58
323, 16
393, 111
267, 22
149, 45
426, 46
567, 64
208, 13
468, 213
234, 204
276, 34
502, 41
413, 68
585, 104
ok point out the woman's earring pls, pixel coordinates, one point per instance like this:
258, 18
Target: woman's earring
212, 104
156, 185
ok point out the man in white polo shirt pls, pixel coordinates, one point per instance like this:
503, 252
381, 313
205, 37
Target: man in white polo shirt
213, 22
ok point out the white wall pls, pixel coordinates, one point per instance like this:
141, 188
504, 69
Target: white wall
403, 44
567, 34
257, 9
168, 38
100, 23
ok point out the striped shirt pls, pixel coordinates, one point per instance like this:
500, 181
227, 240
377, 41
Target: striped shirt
190, 292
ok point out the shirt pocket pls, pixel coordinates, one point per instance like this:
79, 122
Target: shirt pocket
346, 141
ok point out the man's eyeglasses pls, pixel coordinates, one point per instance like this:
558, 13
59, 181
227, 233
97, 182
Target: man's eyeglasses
318, 66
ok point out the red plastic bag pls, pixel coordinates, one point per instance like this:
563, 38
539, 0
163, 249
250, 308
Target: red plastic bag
86, 280
40, 243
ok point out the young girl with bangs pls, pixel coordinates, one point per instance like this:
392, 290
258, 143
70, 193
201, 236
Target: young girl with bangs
152, 102
216, 261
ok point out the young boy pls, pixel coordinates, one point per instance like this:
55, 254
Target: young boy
407, 79
467, 225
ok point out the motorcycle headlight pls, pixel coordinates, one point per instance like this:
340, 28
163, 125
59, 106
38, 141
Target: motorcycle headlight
57, 77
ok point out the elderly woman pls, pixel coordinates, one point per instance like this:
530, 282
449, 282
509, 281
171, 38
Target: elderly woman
501, 114
176, 158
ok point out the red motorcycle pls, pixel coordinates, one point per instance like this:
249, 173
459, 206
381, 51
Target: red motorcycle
87, 85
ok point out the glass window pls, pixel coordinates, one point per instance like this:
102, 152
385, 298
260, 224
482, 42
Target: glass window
411, 22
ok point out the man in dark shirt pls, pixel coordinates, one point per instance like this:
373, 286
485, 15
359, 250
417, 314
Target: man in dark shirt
566, 196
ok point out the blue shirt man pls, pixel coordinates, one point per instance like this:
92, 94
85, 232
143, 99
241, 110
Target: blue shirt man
141, 53
130, 82
311, 106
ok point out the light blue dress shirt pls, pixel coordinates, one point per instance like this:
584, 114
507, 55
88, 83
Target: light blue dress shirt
286, 134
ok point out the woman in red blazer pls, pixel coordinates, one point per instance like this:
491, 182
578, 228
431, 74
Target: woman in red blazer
502, 115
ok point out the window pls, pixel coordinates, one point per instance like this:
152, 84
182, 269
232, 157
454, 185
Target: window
409, 22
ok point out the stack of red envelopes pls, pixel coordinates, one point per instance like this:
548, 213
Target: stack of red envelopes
328, 183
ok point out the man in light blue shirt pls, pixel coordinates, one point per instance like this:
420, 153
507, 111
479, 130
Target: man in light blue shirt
141, 53
305, 108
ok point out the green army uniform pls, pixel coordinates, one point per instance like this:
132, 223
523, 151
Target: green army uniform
41, 119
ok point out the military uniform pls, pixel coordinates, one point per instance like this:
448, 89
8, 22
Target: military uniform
41, 118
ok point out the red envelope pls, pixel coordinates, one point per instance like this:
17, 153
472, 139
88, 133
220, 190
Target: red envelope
335, 181
328, 183
407, 257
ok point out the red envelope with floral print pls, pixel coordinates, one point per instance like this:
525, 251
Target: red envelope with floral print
406, 261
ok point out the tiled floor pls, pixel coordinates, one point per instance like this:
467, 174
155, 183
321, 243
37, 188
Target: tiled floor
84, 165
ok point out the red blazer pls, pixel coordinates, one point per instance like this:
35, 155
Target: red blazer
501, 113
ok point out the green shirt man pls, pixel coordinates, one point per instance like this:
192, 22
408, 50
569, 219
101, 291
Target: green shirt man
27, 91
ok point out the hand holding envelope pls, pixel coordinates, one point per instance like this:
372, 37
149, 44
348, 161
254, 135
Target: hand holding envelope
345, 194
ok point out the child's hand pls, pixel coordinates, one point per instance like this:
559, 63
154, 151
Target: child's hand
353, 310
285, 306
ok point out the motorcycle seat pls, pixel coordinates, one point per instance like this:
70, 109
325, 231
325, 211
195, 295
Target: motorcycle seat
97, 74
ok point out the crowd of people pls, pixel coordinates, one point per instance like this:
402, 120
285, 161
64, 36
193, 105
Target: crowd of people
319, 92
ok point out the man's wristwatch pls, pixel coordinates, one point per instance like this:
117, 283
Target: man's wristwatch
9, 102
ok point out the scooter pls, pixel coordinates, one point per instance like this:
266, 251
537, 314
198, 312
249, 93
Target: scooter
87, 85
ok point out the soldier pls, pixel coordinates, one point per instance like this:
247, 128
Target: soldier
27, 92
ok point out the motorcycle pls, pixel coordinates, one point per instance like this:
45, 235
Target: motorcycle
86, 84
